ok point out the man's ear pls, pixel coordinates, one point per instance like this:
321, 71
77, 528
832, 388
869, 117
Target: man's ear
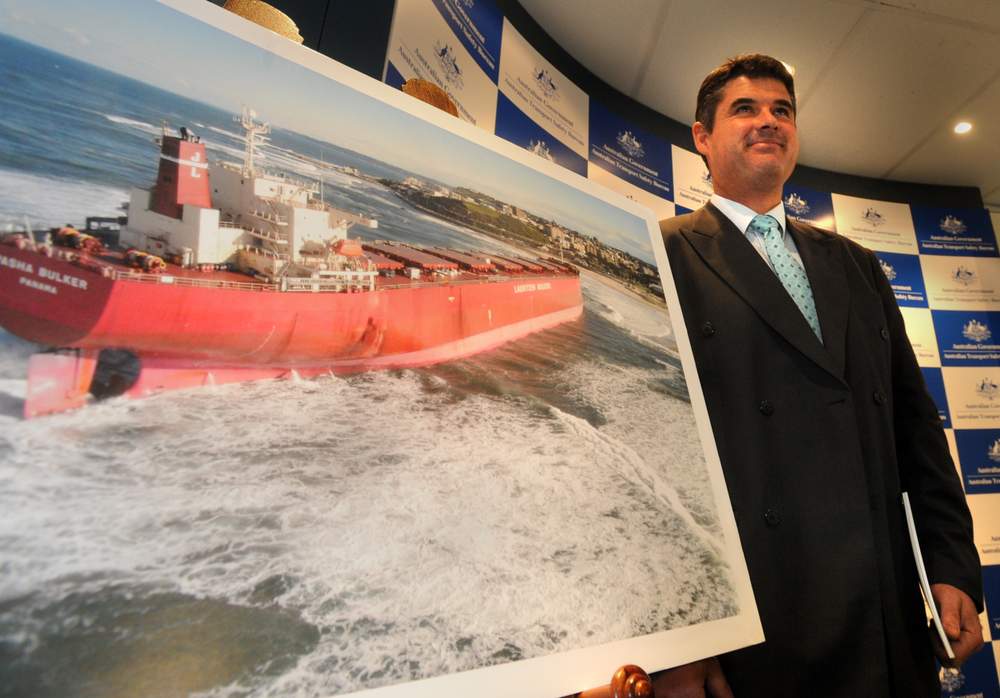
701, 136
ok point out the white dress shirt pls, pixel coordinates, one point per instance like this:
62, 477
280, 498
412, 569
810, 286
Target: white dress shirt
741, 216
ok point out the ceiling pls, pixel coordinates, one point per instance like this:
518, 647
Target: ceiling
880, 84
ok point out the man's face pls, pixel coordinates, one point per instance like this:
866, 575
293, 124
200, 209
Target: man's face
753, 144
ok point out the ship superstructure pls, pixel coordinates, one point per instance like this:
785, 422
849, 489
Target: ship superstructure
267, 225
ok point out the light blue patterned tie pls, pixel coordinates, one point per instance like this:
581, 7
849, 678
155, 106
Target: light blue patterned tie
792, 276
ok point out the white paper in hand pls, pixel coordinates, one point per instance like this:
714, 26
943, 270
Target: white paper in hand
925, 585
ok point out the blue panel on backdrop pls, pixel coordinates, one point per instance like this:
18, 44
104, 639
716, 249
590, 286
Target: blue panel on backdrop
629, 152
809, 206
976, 679
515, 126
393, 77
967, 338
991, 589
979, 452
935, 386
966, 232
680, 210
905, 277
478, 24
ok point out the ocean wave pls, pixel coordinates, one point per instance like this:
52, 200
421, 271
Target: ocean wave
234, 152
642, 410
49, 202
14, 354
228, 134
406, 518
134, 124
644, 321
292, 156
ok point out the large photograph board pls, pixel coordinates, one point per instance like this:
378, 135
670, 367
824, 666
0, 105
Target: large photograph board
517, 515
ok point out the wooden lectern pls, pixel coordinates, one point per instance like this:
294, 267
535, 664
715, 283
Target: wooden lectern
266, 16
628, 682
430, 93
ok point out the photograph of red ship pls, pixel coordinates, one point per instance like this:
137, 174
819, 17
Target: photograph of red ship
491, 480
224, 273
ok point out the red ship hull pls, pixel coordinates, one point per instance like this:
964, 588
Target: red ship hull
185, 328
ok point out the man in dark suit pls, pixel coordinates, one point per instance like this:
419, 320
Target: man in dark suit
821, 418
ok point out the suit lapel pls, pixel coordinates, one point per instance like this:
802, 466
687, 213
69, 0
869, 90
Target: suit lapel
727, 251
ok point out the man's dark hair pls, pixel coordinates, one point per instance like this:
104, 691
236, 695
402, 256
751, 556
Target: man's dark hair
751, 65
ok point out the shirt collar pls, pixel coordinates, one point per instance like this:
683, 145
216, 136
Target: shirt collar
741, 216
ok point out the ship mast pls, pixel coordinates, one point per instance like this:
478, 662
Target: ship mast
322, 159
254, 133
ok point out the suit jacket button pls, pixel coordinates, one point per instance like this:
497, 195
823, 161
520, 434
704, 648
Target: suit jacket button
884, 333
707, 329
766, 408
771, 518
879, 397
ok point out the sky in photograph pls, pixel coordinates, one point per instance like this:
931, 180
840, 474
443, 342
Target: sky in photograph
155, 44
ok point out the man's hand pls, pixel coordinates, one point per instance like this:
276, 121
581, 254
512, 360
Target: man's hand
703, 679
960, 621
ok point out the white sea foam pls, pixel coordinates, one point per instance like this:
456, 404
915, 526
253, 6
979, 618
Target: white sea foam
424, 530
228, 134
646, 322
233, 153
134, 124
294, 161
14, 353
49, 202
334, 177
661, 431
385, 200
13, 387
274, 158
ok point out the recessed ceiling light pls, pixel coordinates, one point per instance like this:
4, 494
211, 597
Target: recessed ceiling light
963, 127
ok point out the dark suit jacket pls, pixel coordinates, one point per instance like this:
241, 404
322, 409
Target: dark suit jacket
817, 441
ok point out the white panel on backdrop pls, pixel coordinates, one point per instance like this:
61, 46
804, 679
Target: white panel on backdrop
962, 283
882, 226
692, 184
920, 331
973, 396
423, 46
986, 513
661, 208
543, 93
